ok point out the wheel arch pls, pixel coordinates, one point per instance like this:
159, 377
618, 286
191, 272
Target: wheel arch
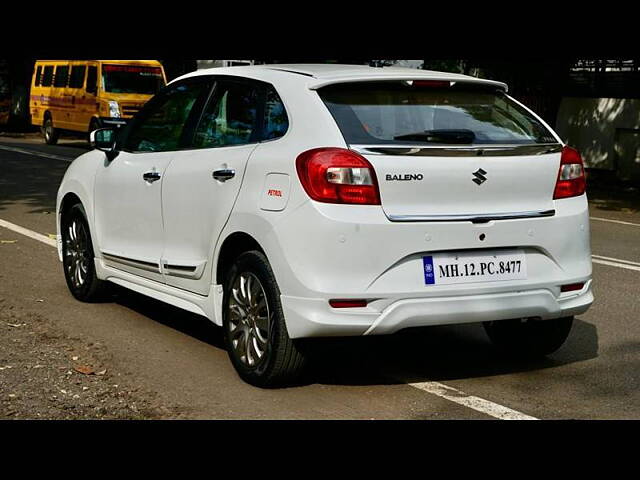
69, 200
233, 245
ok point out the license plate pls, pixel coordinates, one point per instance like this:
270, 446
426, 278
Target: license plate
449, 268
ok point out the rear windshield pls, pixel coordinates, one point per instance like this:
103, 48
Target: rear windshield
430, 113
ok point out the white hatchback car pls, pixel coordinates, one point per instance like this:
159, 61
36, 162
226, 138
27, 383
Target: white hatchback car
292, 201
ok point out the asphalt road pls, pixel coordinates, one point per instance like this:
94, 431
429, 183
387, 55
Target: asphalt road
447, 372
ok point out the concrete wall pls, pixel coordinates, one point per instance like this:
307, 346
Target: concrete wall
606, 131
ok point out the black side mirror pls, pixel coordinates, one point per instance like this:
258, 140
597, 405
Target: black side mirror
104, 139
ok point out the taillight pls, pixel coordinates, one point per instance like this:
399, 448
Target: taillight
338, 175
571, 181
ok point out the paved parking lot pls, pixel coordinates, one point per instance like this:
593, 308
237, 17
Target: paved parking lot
177, 358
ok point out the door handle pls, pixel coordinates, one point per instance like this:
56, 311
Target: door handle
151, 176
224, 174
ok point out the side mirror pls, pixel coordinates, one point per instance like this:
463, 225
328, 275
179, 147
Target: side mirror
104, 139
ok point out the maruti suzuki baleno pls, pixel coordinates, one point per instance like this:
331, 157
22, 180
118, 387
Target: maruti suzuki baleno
285, 202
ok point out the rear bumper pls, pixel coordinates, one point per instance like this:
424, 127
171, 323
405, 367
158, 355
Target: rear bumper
308, 317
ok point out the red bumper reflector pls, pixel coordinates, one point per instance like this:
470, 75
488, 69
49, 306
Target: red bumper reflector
571, 287
347, 303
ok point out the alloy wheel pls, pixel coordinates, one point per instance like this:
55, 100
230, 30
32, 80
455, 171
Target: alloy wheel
249, 320
76, 253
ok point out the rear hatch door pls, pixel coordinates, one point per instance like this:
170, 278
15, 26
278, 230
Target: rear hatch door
448, 150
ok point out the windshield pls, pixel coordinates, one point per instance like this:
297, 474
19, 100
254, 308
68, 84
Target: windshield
430, 113
131, 79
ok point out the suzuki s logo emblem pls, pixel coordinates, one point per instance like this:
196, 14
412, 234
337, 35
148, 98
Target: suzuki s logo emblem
480, 176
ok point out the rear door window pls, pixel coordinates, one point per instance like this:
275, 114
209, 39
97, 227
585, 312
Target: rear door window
230, 118
430, 113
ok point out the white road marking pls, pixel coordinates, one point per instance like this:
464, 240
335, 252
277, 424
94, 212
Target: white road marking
29, 233
600, 219
36, 153
616, 262
470, 401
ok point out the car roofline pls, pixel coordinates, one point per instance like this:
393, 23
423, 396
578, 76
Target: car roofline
316, 80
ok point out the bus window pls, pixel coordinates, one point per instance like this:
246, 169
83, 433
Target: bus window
76, 79
47, 76
92, 80
38, 76
62, 75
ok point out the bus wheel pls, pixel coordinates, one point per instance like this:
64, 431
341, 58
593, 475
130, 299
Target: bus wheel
50, 134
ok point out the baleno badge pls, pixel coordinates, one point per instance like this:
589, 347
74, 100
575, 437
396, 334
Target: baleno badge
405, 177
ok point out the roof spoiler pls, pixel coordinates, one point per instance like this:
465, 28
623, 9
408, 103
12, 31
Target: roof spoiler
375, 78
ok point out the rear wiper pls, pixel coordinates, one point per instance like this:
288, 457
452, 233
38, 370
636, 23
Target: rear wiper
439, 136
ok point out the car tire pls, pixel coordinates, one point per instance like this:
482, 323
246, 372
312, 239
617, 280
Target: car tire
78, 257
50, 133
255, 332
529, 337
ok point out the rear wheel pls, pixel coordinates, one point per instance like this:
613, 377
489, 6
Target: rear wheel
51, 134
529, 337
255, 332
78, 257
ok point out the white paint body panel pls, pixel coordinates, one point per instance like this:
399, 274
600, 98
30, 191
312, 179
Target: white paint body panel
322, 251
195, 208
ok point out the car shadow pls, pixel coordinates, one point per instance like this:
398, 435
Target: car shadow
423, 354
194, 325
440, 353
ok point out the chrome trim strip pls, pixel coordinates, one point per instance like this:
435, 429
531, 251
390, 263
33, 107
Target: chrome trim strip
475, 218
148, 266
458, 150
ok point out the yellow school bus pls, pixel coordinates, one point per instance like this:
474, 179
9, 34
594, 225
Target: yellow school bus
83, 95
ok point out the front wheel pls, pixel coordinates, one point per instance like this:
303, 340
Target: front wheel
255, 333
51, 134
78, 257
529, 337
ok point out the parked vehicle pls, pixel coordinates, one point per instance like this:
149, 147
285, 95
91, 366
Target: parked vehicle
292, 201
84, 95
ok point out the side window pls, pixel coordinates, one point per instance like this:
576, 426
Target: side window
92, 80
276, 121
47, 76
38, 76
62, 75
76, 79
159, 127
230, 118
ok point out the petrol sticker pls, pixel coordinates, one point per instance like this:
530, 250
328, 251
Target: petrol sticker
274, 193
